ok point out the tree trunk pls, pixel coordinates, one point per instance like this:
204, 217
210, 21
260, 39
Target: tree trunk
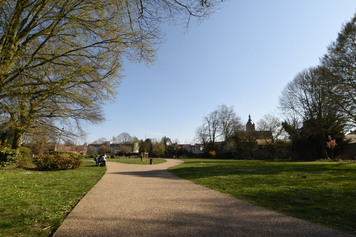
324, 152
17, 142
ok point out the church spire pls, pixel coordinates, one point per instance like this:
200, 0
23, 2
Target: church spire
250, 126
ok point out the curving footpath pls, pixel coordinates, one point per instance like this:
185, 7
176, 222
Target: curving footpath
147, 200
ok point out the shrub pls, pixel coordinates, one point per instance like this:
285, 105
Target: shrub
212, 153
24, 158
21, 158
26, 151
23, 161
57, 161
7, 156
89, 156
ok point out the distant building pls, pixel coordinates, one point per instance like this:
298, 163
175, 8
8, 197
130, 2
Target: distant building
250, 126
78, 149
351, 138
350, 148
113, 147
262, 137
197, 149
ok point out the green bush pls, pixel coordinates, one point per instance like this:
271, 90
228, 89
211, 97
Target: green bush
7, 156
57, 161
26, 151
21, 158
71, 154
24, 158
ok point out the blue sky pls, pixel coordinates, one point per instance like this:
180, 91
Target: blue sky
242, 56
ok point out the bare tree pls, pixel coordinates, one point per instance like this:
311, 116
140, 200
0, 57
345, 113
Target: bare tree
212, 125
202, 135
306, 98
124, 138
221, 123
228, 121
125, 149
104, 149
272, 124
101, 140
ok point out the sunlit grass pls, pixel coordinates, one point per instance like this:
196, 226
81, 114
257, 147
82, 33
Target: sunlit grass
320, 192
34, 203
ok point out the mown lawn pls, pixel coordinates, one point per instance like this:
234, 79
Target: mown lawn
137, 161
34, 203
320, 192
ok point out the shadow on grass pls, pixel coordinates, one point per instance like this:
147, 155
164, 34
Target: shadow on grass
226, 168
319, 192
327, 206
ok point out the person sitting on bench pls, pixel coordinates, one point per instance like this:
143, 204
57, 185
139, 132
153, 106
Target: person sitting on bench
101, 160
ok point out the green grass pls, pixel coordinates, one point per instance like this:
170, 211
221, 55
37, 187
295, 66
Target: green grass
137, 161
34, 203
320, 192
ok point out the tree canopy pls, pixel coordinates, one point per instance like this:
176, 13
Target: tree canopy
341, 61
123, 138
312, 114
59, 60
220, 123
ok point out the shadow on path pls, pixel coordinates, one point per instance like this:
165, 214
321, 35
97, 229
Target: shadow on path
137, 200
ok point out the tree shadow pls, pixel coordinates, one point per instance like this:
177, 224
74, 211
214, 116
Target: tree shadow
148, 174
262, 168
210, 216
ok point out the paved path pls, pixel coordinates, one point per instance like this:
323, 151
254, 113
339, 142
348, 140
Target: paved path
147, 200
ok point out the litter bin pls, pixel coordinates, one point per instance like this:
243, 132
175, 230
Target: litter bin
151, 161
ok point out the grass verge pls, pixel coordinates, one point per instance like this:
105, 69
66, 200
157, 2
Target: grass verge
34, 203
137, 161
320, 192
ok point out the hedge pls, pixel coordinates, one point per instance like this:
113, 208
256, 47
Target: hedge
57, 161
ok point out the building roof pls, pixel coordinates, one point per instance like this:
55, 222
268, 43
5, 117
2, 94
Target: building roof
351, 138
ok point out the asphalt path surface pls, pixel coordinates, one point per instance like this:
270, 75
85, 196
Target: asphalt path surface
147, 200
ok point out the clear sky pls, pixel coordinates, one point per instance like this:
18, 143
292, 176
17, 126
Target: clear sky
242, 56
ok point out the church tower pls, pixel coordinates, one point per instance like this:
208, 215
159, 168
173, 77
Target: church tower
250, 125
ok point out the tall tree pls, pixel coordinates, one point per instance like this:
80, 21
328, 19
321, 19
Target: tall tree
63, 107
228, 121
219, 125
306, 98
341, 61
211, 124
166, 141
202, 135
222, 122
101, 140
147, 146
66, 54
158, 149
124, 138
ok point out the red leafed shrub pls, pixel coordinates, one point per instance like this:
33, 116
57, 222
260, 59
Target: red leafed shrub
57, 161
